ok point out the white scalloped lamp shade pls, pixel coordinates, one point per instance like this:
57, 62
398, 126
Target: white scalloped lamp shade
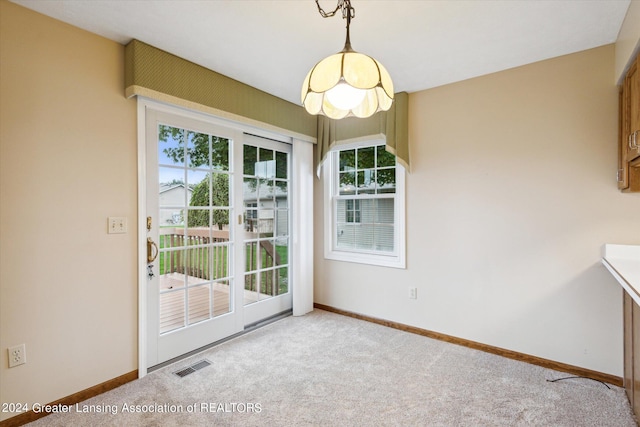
347, 84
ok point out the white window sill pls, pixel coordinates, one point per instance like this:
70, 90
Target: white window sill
379, 260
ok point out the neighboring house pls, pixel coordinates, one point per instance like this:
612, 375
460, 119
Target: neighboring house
173, 195
361, 224
266, 208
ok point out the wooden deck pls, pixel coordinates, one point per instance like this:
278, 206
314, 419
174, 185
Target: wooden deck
172, 310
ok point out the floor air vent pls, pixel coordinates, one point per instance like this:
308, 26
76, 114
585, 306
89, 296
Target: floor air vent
191, 369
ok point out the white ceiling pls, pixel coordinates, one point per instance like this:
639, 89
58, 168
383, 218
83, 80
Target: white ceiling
272, 44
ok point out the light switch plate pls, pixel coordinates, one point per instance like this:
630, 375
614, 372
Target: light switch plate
117, 225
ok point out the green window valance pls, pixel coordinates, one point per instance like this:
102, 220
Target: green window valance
159, 75
393, 124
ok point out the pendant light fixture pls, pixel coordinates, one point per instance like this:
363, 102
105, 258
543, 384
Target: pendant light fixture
347, 83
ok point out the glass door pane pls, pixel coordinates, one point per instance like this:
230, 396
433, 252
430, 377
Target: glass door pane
194, 236
266, 220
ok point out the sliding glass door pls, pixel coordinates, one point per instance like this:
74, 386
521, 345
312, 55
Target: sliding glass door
218, 232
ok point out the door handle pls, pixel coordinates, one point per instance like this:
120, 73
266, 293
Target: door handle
633, 141
150, 246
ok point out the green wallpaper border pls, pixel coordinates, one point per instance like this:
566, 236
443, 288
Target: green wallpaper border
157, 71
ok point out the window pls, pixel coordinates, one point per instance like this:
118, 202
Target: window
364, 206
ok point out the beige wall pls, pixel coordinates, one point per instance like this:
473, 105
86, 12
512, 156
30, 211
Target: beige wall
628, 41
68, 290
511, 195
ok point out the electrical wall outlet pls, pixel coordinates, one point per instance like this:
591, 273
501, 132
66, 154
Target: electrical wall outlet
117, 225
413, 293
17, 355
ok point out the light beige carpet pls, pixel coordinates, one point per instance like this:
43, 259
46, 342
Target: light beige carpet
329, 370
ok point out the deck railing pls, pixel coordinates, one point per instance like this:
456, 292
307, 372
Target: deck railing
269, 281
197, 259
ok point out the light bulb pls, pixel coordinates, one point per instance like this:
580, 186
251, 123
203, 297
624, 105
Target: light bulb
345, 97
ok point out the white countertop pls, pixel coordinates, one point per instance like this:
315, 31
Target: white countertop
623, 261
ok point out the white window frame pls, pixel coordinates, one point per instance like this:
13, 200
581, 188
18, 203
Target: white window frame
397, 259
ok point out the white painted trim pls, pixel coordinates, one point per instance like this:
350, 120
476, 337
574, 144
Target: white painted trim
302, 267
142, 226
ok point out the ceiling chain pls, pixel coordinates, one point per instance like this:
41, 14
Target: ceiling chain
347, 10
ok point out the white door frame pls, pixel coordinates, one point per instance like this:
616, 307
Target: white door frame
301, 204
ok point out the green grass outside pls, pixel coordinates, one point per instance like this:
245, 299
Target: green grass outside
197, 258
221, 261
